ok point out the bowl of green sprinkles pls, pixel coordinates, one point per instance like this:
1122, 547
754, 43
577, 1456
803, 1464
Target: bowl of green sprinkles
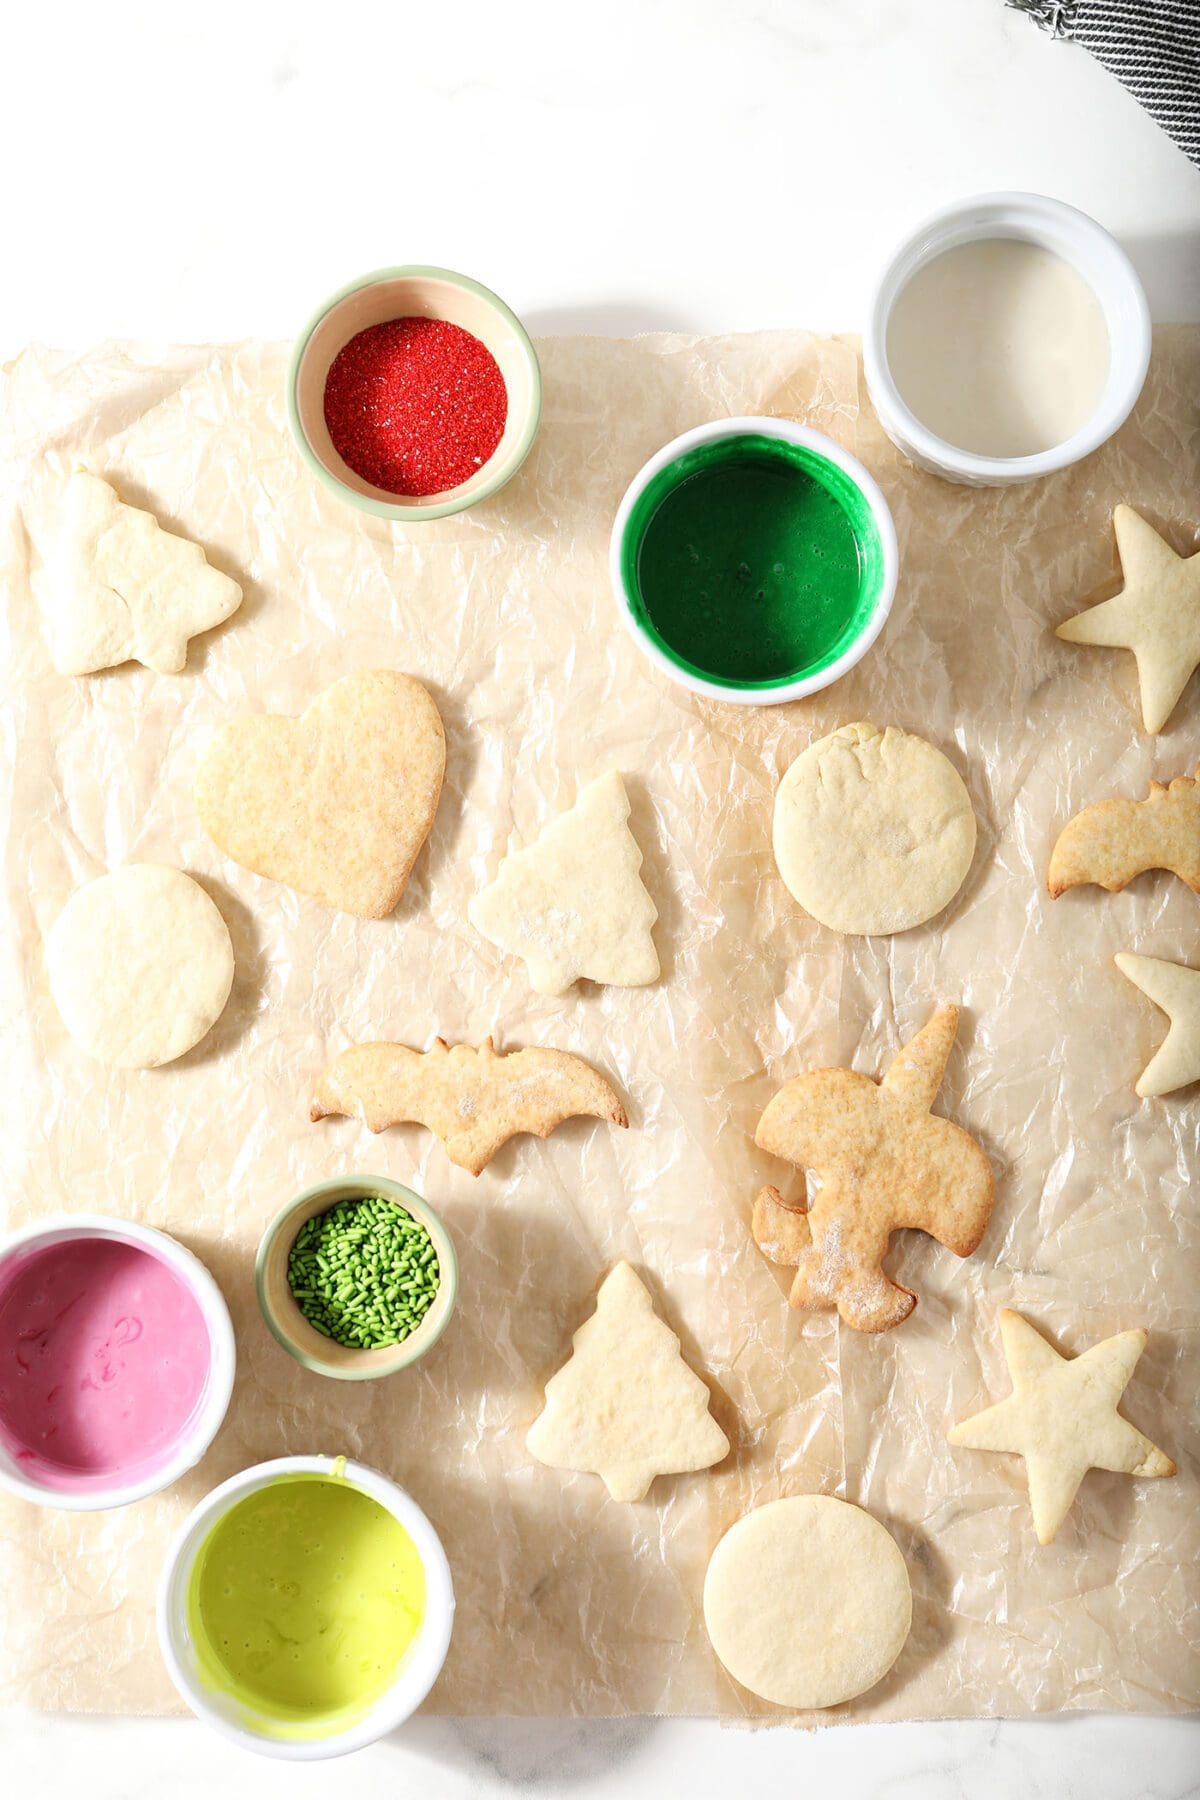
754, 560
357, 1277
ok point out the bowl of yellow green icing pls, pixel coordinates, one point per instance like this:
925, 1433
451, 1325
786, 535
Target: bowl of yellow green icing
306, 1607
754, 560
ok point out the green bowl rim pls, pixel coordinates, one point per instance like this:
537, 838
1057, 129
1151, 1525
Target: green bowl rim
411, 1348
398, 509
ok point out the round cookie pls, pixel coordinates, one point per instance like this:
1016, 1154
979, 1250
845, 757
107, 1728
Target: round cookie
874, 831
807, 1601
140, 965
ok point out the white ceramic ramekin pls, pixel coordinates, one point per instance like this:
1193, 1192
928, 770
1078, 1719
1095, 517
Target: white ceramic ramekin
206, 1420
1080, 241
761, 693
418, 1671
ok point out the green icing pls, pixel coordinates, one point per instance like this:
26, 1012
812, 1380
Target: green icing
302, 1603
752, 561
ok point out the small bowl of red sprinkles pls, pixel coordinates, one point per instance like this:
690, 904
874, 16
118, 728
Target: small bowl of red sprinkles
414, 393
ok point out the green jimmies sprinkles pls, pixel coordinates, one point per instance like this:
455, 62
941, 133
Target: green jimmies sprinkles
364, 1273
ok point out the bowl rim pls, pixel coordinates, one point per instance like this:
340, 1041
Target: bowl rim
399, 509
790, 431
414, 1679
983, 213
410, 1349
210, 1416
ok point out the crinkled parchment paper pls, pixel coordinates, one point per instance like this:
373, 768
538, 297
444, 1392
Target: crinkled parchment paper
568, 1603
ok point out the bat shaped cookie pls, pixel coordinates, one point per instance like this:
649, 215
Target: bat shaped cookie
474, 1100
885, 1163
1114, 840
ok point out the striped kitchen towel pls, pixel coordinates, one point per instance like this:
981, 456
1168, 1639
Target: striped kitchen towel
1151, 46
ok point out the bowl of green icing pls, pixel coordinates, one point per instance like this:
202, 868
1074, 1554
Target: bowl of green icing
754, 560
305, 1607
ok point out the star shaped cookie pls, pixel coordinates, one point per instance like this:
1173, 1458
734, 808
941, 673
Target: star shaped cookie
1176, 990
1156, 615
1062, 1418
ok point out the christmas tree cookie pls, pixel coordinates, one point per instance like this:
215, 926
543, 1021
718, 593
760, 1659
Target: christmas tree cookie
122, 589
572, 903
626, 1406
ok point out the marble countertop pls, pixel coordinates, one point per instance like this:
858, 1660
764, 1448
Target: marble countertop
697, 165
1076, 1757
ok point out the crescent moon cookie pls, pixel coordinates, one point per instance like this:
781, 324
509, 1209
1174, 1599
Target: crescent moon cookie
873, 831
1062, 1418
122, 589
1112, 841
625, 1406
1156, 615
336, 803
474, 1100
807, 1601
140, 965
885, 1163
572, 904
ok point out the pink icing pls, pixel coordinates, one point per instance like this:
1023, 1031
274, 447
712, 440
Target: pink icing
104, 1358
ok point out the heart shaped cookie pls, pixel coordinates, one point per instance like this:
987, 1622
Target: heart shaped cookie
336, 803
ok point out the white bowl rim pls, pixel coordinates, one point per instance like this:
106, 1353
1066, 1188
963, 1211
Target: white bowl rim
222, 1359
422, 1664
750, 424
401, 511
1096, 430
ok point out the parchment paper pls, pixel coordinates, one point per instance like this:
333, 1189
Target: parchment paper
567, 1602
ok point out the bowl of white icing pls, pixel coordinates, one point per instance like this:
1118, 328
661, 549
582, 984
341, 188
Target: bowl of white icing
1008, 337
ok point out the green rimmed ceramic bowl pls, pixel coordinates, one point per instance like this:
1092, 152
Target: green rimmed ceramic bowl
754, 560
288, 1325
412, 291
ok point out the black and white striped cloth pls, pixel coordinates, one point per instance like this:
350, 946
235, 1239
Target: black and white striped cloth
1151, 46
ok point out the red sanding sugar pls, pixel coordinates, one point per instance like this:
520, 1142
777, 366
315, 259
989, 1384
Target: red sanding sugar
415, 406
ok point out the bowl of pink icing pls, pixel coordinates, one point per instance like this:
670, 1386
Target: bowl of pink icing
116, 1362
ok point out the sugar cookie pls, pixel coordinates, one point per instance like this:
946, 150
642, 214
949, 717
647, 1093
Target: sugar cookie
625, 1406
140, 965
1156, 615
1176, 990
807, 1601
1112, 841
1062, 1418
572, 903
122, 589
885, 1163
474, 1100
336, 803
873, 831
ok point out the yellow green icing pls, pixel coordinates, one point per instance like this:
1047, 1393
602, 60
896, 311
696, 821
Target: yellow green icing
302, 1603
